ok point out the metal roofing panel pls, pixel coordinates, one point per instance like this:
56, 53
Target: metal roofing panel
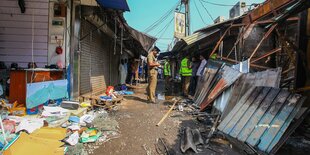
114, 4
227, 78
198, 36
262, 116
267, 78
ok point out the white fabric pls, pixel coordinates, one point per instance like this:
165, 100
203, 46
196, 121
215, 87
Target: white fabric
201, 67
123, 72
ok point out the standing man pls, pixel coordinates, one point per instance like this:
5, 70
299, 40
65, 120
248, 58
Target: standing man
152, 65
167, 73
192, 86
186, 73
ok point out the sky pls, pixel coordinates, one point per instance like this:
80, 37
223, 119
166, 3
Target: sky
143, 13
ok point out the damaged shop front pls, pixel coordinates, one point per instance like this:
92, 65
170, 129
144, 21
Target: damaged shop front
255, 91
52, 53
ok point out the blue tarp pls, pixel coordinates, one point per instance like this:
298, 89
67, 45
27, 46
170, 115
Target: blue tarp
114, 4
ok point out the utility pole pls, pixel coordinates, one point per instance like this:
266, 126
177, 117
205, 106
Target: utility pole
187, 17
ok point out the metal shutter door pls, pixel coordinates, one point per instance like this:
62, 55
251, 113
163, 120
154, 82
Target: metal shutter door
94, 60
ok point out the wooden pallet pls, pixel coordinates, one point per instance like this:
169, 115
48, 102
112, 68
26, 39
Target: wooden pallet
97, 102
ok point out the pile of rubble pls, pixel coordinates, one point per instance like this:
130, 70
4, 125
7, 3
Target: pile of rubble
68, 128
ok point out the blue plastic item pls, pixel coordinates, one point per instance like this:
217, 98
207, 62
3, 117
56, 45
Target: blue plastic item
128, 92
74, 119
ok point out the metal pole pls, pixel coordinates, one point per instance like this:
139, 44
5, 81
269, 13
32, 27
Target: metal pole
187, 17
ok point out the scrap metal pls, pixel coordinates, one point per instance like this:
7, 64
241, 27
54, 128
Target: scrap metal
228, 77
268, 78
262, 116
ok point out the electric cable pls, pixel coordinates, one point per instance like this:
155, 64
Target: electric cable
162, 18
219, 4
199, 13
164, 29
206, 10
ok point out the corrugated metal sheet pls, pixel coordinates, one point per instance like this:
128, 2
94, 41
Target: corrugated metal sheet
94, 60
228, 77
268, 78
262, 116
189, 40
221, 102
16, 32
206, 81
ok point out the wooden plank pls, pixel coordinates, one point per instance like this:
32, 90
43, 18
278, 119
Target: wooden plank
25, 64
257, 115
25, 18
16, 11
23, 38
283, 118
21, 24
23, 31
248, 114
220, 40
23, 45
265, 120
236, 109
236, 118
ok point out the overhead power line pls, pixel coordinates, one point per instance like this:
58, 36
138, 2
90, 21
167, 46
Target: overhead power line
162, 18
199, 13
219, 4
164, 29
207, 11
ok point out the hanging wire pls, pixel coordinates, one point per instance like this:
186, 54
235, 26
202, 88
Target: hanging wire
206, 10
162, 19
219, 4
199, 13
115, 35
32, 42
164, 29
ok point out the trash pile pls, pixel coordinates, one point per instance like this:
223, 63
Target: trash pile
68, 128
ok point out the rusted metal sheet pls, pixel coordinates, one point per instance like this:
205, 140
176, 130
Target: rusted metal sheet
268, 78
262, 116
228, 77
206, 81
266, 8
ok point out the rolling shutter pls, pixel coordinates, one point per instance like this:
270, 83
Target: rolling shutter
94, 60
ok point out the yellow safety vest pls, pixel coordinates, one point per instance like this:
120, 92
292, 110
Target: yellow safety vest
184, 70
167, 70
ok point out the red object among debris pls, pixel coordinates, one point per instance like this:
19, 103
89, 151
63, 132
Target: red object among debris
109, 90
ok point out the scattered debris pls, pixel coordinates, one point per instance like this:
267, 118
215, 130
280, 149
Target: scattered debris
147, 149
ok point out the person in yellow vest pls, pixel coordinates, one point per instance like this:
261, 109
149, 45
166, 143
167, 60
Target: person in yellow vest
152, 67
185, 73
167, 72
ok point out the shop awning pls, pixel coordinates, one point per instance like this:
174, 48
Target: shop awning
188, 41
198, 36
145, 40
114, 4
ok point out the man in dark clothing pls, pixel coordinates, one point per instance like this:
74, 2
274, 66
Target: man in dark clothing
193, 83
